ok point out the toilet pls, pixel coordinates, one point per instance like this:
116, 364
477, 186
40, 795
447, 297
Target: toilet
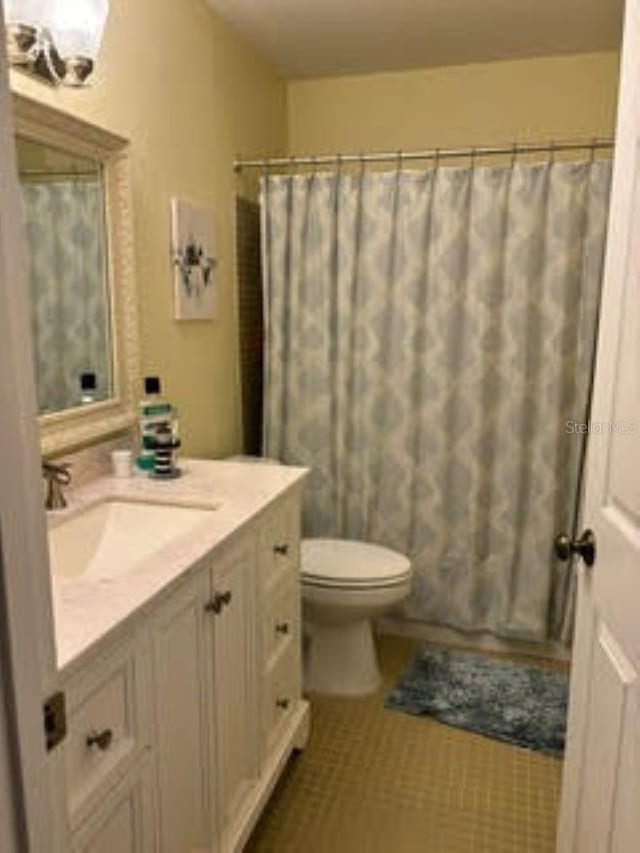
345, 585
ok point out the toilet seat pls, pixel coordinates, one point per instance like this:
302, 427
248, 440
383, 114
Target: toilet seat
351, 564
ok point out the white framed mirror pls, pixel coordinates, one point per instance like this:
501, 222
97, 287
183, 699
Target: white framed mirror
76, 191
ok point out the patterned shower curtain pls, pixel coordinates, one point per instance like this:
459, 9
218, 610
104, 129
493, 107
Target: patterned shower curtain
430, 337
64, 223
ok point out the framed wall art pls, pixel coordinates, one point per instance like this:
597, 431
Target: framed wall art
194, 260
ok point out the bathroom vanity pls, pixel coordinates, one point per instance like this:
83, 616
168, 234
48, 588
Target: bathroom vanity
180, 657
176, 604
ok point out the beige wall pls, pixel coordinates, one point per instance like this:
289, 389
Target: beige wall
189, 94
491, 103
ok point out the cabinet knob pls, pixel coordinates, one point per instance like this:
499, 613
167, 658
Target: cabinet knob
283, 703
283, 549
219, 600
101, 739
282, 627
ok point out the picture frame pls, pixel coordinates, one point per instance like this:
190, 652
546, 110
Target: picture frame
194, 260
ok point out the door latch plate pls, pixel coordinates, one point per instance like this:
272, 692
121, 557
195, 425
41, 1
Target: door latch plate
55, 720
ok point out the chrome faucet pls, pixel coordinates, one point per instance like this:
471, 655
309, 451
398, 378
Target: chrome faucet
56, 476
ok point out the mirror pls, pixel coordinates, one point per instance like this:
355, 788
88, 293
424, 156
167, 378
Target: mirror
64, 218
76, 189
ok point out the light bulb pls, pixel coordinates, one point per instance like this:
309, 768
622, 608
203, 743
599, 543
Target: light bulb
76, 26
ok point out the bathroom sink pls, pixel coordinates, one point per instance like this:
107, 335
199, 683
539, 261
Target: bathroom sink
113, 537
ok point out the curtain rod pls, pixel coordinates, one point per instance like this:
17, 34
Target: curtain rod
43, 173
432, 154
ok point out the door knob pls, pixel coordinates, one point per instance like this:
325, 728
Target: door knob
100, 739
585, 547
219, 600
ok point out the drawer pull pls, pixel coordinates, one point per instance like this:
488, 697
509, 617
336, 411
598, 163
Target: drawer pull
101, 739
282, 628
283, 703
283, 550
219, 600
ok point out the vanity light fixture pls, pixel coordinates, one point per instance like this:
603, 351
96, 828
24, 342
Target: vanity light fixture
57, 40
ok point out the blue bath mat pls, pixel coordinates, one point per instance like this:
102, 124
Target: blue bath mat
522, 705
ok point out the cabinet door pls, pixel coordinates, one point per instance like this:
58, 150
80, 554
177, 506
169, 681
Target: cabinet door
181, 658
234, 682
124, 822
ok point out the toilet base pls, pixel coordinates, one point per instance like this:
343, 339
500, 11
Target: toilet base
341, 659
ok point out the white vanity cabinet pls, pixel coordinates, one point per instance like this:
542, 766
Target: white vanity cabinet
203, 701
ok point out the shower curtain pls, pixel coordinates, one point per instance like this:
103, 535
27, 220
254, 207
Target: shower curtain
70, 305
430, 338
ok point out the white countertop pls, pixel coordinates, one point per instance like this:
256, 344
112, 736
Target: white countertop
86, 610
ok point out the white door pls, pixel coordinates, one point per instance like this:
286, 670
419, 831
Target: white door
600, 810
26, 625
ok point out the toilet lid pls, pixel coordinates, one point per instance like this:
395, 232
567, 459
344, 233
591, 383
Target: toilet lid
348, 562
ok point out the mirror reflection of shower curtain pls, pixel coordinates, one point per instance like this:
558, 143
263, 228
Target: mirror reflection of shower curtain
429, 345
64, 222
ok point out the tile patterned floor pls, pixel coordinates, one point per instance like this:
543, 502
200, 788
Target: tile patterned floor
378, 781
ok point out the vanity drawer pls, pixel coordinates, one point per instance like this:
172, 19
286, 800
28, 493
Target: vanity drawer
124, 821
107, 725
281, 623
281, 695
280, 541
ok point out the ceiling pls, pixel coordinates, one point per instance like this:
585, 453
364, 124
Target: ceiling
317, 38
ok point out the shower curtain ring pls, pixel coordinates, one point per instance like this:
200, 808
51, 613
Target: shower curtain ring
436, 159
552, 152
514, 154
594, 143
474, 153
